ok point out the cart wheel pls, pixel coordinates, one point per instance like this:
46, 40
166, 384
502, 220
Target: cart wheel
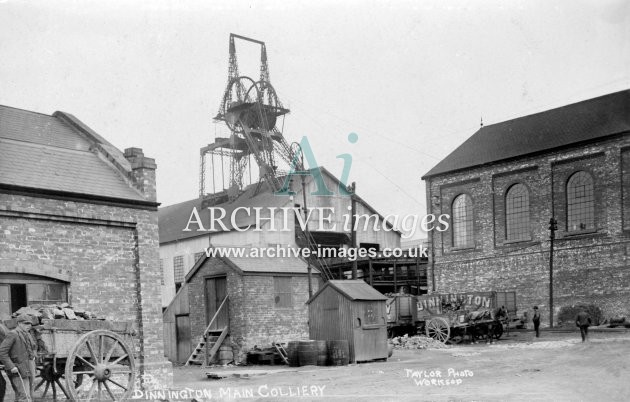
107, 363
498, 331
438, 329
50, 380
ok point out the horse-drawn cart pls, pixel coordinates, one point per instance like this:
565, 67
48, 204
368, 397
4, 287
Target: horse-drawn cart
452, 317
86, 360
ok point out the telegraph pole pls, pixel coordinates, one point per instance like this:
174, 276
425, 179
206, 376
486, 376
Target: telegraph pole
303, 172
553, 226
353, 202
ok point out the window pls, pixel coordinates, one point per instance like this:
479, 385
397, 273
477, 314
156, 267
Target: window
370, 246
463, 221
517, 213
178, 268
46, 293
580, 202
282, 291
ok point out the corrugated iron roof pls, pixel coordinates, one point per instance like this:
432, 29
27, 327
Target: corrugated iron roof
44, 153
352, 289
568, 125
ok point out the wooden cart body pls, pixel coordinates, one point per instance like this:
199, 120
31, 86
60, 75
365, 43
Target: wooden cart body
60, 336
85, 359
451, 316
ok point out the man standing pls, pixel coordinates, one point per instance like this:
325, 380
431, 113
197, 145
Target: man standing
583, 320
17, 353
3, 384
536, 321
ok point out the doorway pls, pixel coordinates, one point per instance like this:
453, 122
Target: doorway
216, 290
182, 337
12, 298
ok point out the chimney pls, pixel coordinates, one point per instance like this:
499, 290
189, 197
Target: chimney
142, 172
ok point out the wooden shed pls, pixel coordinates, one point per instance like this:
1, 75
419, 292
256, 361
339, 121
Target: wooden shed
354, 311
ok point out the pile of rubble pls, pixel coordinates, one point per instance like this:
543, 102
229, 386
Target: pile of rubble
55, 311
416, 342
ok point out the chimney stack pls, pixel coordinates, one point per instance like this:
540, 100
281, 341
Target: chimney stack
142, 172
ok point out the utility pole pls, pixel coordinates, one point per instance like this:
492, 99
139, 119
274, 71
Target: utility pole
553, 226
305, 209
353, 202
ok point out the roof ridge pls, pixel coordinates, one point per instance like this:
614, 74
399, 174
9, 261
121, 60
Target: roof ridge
569, 125
553, 109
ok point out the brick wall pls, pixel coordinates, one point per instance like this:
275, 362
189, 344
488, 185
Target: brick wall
109, 254
254, 320
589, 266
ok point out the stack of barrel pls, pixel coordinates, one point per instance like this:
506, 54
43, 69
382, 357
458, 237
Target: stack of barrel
318, 353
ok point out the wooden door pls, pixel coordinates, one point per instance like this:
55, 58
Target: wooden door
216, 290
182, 337
370, 335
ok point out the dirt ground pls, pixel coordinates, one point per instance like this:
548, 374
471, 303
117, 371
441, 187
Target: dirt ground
557, 366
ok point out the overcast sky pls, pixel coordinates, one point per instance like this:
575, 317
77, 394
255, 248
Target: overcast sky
411, 78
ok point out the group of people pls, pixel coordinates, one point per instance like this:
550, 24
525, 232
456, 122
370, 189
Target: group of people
18, 349
582, 321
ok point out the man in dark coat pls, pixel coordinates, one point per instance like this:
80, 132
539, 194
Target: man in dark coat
3, 383
17, 353
583, 320
536, 321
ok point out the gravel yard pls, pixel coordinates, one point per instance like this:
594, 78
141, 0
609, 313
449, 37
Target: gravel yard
557, 366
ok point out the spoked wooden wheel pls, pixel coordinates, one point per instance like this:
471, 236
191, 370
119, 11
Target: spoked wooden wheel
438, 329
50, 381
498, 330
106, 362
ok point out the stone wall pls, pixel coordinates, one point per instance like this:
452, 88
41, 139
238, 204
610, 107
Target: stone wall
590, 266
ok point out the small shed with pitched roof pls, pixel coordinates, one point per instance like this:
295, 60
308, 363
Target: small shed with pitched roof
354, 311
233, 304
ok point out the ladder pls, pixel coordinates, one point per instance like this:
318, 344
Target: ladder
282, 352
210, 341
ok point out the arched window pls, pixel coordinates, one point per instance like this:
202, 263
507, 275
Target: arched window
463, 221
580, 202
517, 213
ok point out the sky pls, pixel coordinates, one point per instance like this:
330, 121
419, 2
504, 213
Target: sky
412, 79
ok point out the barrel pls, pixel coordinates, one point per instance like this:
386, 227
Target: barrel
322, 353
307, 353
225, 355
292, 353
338, 352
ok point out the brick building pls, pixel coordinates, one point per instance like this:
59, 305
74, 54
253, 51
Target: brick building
267, 296
265, 304
78, 224
502, 186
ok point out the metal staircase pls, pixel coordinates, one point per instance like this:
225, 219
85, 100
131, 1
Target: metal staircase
210, 341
